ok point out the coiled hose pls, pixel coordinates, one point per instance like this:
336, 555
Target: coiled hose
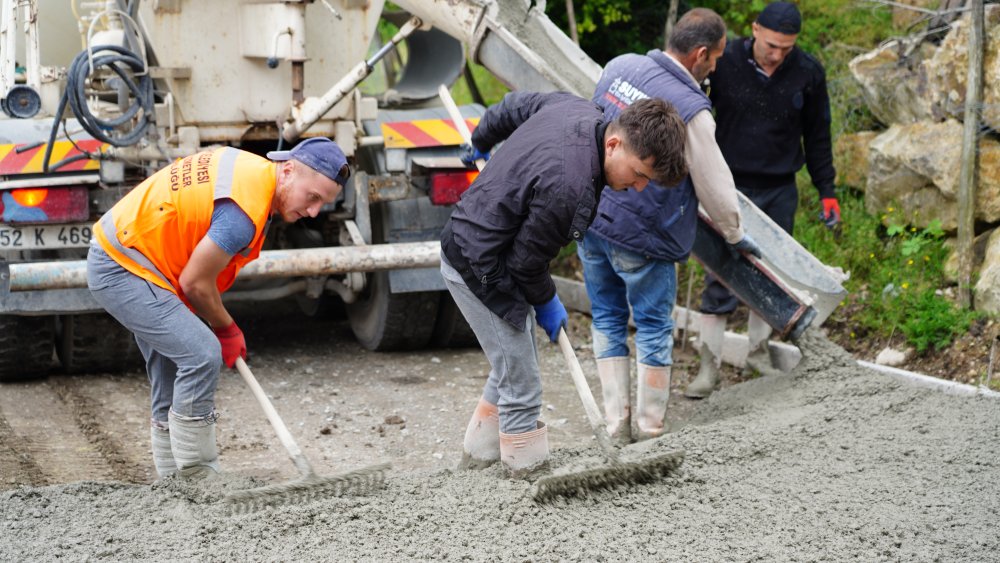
118, 59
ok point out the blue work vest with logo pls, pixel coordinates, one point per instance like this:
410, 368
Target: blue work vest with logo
657, 222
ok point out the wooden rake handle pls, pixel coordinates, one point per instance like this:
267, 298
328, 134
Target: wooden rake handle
594, 415
300, 461
456, 116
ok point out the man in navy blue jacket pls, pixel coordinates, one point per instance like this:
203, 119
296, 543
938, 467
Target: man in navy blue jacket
629, 253
537, 193
773, 112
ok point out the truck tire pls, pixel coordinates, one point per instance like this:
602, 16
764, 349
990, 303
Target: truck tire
95, 343
25, 347
384, 321
451, 329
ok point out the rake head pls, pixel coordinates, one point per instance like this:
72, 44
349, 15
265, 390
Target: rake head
608, 476
308, 489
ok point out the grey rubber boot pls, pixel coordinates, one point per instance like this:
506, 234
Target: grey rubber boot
652, 396
616, 390
713, 331
525, 455
481, 447
759, 355
192, 441
163, 456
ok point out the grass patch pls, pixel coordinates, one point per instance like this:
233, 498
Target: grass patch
896, 273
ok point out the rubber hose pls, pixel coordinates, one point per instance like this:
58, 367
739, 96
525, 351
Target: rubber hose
117, 59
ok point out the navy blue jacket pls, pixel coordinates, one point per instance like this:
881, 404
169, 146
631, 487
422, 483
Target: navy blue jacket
762, 123
538, 192
657, 222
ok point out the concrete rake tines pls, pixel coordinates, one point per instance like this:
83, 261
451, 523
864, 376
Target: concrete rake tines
612, 474
307, 489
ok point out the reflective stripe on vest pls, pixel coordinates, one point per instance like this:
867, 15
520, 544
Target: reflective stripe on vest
224, 177
110, 233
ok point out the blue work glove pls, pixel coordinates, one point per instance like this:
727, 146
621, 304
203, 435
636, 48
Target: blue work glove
745, 245
552, 316
470, 154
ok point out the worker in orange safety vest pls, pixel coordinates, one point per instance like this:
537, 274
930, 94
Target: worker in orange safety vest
164, 254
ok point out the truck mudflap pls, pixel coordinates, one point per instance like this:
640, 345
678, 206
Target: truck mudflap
789, 288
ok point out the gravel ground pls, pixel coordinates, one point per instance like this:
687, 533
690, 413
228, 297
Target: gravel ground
828, 463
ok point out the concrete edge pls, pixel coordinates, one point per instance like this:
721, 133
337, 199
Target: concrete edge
784, 356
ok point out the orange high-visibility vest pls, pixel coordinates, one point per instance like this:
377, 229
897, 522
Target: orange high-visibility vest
153, 230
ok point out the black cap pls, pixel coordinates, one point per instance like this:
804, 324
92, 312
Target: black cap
782, 17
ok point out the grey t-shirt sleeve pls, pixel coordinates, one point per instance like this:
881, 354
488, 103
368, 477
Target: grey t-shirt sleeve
231, 227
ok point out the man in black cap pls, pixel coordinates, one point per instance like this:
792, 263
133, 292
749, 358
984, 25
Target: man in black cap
772, 115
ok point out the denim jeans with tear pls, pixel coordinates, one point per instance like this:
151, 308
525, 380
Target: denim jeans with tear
616, 279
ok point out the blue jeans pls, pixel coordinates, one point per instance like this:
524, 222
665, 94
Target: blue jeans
617, 278
183, 356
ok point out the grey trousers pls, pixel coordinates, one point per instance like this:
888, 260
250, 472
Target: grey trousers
183, 356
515, 383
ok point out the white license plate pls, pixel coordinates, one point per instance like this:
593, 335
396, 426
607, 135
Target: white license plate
31, 237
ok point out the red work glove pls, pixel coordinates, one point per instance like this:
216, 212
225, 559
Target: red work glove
831, 212
233, 344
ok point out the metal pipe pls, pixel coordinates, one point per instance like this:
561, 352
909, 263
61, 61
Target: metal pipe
310, 113
31, 276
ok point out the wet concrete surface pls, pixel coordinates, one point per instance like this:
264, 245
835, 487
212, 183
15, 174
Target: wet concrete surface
830, 462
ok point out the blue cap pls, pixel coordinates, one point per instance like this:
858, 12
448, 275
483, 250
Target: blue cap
320, 154
782, 17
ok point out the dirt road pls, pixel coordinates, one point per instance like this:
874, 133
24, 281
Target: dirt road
830, 462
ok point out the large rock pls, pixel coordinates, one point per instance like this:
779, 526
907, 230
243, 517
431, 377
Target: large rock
947, 70
987, 290
850, 158
905, 83
916, 168
895, 86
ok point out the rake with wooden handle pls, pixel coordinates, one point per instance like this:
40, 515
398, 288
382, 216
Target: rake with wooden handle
309, 485
617, 471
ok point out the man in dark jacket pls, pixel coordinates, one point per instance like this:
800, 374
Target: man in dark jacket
538, 192
773, 115
628, 255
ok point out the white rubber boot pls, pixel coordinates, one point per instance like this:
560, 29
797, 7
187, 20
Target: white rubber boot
652, 396
524, 455
713, 331
481, 447
163, 456
759, 355
616, 389
192, 441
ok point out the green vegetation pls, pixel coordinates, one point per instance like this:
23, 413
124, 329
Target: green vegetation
491, 89
896, 273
